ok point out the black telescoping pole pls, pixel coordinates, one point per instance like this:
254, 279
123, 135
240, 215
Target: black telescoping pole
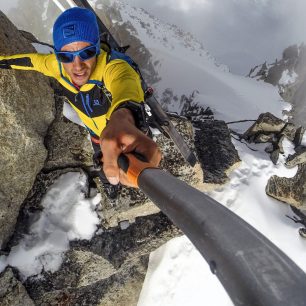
253, 271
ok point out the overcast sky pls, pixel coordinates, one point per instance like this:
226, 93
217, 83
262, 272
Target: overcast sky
239, 33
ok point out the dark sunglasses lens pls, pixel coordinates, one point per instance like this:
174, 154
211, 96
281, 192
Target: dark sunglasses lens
88, 53
65, 57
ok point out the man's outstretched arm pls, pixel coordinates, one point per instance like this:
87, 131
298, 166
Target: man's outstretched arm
43, 63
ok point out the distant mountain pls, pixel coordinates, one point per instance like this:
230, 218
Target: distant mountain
289, 74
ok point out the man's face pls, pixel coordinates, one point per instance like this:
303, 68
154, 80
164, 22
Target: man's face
78, 70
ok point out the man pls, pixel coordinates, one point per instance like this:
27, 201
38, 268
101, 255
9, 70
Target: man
105, 92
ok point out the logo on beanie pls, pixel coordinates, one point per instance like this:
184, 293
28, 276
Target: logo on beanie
69, 31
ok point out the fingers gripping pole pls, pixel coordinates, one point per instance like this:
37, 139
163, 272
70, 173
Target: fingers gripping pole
133, 165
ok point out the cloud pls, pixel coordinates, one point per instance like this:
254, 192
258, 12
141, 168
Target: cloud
183, 5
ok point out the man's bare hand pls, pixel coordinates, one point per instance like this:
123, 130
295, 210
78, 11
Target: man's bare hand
122, 136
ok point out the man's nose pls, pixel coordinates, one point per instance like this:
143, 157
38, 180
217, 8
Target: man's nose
78, 63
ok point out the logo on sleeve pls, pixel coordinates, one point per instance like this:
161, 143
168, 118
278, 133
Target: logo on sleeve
96, 102
69, 31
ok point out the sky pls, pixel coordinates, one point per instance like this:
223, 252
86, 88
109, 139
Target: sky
238, 33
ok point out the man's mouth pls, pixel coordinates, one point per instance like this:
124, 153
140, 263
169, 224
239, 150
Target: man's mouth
80, 74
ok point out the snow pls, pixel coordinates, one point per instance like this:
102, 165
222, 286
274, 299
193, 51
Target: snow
178, 268
288, 77
42, 48
67, 215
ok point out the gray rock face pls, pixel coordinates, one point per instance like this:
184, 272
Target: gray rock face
298, 158
26, 111
299, 136
270, 129
215, 150
289, 190
265, 124
108, 270
67, 143
12, 292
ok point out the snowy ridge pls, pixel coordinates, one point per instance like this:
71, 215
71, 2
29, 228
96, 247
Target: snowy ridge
166, 37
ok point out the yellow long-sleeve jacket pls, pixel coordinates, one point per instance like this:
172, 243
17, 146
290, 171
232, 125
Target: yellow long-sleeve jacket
111, 84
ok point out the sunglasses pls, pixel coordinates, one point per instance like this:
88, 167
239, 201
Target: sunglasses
84, 54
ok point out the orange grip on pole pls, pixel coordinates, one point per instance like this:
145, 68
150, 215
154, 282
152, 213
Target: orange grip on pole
133, 164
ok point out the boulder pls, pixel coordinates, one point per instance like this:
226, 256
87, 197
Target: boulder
68, 144
289, 190
108, 270
289, 131
12, 292
26, 111
216, 153
299, 136
270, 129
266, 123
298, 158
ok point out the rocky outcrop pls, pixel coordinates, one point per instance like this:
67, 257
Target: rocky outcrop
266, 123
217, 154
12, 292
108, 270
298, 158
289, 190
26, 111
270, 129
67, 143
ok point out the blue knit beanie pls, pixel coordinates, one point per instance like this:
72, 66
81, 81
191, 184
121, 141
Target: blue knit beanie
75, 24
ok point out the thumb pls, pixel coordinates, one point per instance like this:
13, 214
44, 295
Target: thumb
111, 152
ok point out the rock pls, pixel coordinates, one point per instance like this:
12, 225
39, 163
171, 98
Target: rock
269, 128
215, 151
92, 267
299, 136
108, 270
289, 131
274, 156
265, 124
67, 143
12, 292
289, 190
263, 138
298, 158
26, 111
280, 144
